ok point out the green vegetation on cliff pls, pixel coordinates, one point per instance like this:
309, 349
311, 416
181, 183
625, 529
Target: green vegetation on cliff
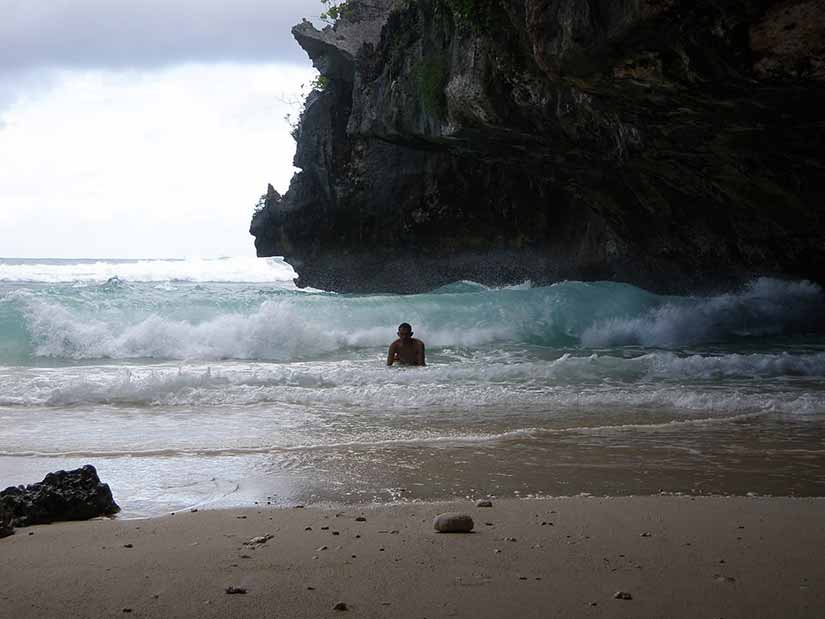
336, 9
483, 15
431, 77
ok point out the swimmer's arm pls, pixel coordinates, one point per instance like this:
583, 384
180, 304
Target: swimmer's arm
391, 354
421, 354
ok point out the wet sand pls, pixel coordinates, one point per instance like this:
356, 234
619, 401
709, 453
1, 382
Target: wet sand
565, 557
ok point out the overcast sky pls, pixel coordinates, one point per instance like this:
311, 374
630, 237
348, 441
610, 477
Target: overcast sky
143, 129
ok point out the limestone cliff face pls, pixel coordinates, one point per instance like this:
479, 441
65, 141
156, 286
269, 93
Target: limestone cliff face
674, 144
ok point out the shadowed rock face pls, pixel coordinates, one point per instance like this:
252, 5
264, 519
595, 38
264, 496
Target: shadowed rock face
669, 143
6, 526
63, 495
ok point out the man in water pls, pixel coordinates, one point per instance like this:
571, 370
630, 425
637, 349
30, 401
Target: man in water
406, 349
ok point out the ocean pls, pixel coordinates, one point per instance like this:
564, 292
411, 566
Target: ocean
218, 383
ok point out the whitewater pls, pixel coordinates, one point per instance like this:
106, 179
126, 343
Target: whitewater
217, 382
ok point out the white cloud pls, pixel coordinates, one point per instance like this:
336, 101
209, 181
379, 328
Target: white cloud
160, 163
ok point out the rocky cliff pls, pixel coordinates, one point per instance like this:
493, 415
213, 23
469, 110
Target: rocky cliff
673, 144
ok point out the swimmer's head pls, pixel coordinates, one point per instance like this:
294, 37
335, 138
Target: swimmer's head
405, 331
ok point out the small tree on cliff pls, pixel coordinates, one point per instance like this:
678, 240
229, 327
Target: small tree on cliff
335, 10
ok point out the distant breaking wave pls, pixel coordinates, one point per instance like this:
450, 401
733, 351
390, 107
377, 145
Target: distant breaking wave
250, 270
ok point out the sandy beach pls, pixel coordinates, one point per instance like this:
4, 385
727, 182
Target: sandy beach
560, 557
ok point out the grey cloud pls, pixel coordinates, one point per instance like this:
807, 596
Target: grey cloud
148, 33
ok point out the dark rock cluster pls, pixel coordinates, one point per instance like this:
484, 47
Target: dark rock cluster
674, 144
62, 495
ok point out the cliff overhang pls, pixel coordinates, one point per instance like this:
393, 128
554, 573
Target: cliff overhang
669, 143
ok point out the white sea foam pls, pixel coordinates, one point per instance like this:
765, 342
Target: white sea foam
238, 269
756, 365
569, 383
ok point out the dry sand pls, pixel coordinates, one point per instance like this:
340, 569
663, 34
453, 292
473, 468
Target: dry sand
566, 557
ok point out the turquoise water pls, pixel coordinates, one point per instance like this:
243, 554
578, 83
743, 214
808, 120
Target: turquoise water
217, 382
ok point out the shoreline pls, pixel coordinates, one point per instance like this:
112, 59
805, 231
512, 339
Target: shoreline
677, 556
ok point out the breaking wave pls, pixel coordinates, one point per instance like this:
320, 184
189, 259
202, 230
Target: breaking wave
126, 320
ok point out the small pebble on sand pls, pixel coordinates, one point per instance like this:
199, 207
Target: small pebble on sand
484, 503
453, 522
127, 610
622, 595
128, 546
360, 519
322, 548
340, 606
235, 590
645, 534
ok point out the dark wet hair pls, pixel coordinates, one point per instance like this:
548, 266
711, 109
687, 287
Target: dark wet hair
405, 325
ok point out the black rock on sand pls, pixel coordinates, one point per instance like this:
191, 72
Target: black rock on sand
63, 495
